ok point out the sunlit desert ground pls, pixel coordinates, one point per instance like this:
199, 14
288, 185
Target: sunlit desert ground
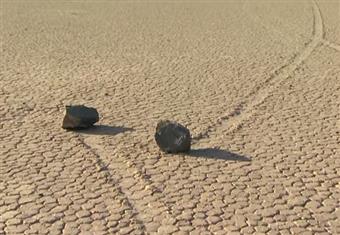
256, 82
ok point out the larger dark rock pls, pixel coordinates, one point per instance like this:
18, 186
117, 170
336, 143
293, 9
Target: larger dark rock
172, 137
80, 117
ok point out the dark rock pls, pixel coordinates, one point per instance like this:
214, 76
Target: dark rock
80, 117
172, 137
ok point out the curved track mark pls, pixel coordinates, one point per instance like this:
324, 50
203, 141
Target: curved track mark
246, 109
109, 178
132, 181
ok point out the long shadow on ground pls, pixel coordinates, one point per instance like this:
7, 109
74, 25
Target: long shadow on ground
214, 153
104, 130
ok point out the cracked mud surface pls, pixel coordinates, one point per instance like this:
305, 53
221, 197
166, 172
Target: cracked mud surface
257, 83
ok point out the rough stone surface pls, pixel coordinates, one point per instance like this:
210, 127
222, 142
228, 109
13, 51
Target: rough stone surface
172, 137
80, 117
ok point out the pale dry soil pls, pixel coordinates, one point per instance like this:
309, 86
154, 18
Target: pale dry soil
257, 83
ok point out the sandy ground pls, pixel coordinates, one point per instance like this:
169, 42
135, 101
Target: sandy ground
257, 83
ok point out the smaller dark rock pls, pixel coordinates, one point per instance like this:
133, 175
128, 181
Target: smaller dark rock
172, 137
80, 117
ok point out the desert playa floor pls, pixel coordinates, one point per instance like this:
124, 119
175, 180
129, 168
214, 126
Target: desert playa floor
257, 83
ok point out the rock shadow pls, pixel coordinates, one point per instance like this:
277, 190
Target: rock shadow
104, 130
215, 153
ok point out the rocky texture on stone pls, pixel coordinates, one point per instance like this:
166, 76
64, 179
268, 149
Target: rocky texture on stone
79, 117
172, 137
